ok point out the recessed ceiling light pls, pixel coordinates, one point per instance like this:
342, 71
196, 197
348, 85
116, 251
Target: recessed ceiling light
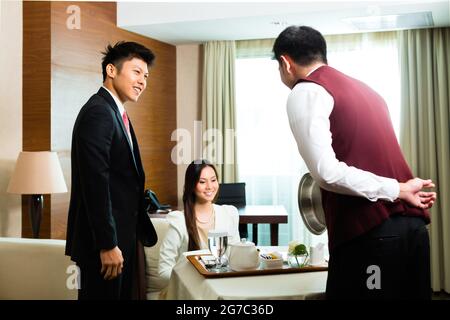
279, 23
395, 21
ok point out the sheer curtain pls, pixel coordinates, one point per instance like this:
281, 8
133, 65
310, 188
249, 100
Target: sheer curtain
268, 157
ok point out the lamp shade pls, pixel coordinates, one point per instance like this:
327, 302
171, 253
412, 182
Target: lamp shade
37, 173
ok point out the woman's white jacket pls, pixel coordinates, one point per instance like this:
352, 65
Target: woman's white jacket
176, 240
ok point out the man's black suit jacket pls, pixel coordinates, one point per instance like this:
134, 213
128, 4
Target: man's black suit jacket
107, 196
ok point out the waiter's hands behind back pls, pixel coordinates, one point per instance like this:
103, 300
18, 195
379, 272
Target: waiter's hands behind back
112, 263
411, 192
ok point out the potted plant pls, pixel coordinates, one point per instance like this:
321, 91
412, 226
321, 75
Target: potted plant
297, 254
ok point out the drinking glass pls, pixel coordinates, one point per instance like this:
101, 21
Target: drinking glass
217, 243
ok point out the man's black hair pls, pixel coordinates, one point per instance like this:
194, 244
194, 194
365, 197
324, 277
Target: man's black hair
304, 45
124, 51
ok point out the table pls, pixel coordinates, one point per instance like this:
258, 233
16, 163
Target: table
255, 214
186, 283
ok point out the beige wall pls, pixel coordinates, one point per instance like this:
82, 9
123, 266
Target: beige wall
11, 113
189, 79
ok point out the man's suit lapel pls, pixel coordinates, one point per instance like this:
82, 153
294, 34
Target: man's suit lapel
105, 94
136, 153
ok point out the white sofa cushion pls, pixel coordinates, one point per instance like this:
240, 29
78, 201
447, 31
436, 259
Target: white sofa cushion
34, 269
37, 268
154, 284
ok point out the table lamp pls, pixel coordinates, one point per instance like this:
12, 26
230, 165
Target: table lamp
35, 174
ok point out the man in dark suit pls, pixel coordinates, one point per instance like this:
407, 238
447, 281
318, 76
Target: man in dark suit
107, 223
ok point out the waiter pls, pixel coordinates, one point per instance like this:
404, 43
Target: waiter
376, 212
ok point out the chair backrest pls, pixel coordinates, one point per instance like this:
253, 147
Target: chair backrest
232, 193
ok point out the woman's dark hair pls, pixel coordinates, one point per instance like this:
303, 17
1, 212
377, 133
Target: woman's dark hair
191, 179
304, 45
124, 51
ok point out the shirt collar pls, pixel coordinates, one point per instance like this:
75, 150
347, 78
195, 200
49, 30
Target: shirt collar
315, 69
117, 101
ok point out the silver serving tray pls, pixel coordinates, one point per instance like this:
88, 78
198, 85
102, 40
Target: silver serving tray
310, 205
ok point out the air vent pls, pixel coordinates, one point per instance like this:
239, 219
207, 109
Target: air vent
390, 22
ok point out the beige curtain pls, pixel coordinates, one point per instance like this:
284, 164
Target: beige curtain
258, 48
218, 108
425, 133
335, 43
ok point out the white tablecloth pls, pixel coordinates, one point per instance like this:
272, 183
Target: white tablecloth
187, 283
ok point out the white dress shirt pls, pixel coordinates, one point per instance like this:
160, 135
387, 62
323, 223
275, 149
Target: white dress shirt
309, 107
121, 110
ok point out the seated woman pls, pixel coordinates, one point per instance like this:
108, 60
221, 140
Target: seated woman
188, 230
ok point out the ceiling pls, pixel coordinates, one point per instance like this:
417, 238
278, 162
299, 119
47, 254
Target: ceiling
196, 22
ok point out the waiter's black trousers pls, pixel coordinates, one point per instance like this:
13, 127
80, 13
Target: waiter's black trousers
392, 261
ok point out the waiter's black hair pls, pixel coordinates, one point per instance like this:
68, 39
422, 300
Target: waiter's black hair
303, 44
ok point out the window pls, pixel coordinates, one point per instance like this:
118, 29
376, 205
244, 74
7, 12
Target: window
268, 157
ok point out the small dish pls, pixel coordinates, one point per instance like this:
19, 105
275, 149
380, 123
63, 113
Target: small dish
271, 263
271, 260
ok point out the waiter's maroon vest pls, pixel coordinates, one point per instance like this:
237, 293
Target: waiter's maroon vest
363, 137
